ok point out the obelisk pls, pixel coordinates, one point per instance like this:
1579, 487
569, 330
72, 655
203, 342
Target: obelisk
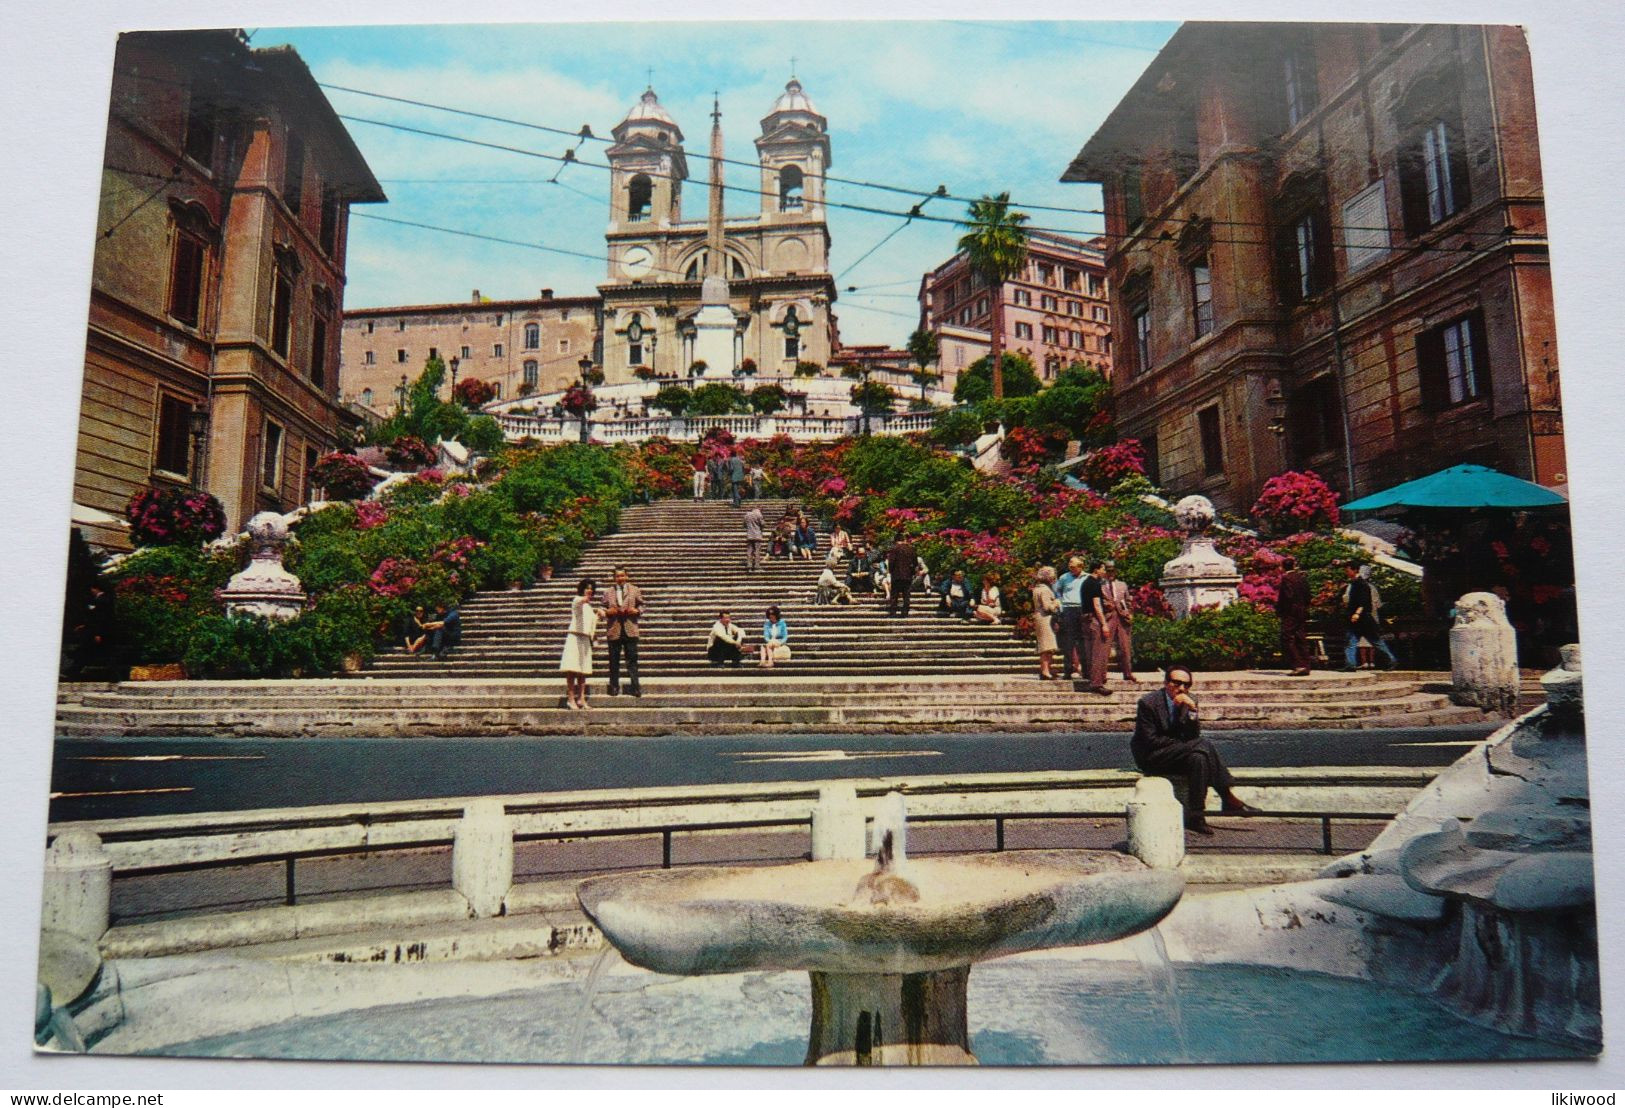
714, 324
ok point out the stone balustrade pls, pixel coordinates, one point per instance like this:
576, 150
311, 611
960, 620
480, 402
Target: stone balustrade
801, 428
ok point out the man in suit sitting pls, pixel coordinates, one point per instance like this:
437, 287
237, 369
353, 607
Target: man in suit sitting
1168, 743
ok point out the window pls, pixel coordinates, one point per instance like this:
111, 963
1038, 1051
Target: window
533, 336
368, 359
639, 197
281, 311
271, 460
400, 357
434, 352
1077, 340
1024, 330
949, 296
634, 341
1202, 297
310, 466
1073, 307
1047, 303
496, 321
496, 350
1049, 336
1140, 315
1133, 198
1046, 274
366, 397
318, 350
1101, 314
1207, 421
330, 221
792, 333
1069, 278
532, 373
400, 325
465, 353
1303, 246
1153, 462
790, 185
200, 128
981, 305
1300, 94
369, 326
1313, 420
1433, 179
496, 390
564, 346
186, 277
1452, 362
174, 427
1097, 287
1022, 297
293, 173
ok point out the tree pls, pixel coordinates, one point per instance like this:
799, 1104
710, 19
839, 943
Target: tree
924, 348
975, 384
718, 398
808, 369
1079, 403
995, 244
673, 398
768, 399
873, 397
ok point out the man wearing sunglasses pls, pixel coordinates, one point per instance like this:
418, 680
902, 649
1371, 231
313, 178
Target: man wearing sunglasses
1168, 743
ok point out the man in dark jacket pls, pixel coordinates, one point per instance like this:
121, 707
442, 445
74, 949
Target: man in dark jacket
900, 563
736, 476
1362, 607
1292, 605
1168, 743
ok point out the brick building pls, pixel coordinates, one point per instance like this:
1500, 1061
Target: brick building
517, 346
1328, 251
1056, 311
217, 285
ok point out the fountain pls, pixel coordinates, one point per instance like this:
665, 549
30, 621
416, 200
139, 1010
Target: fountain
888, 947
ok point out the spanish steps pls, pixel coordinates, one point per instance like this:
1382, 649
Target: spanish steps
854, 668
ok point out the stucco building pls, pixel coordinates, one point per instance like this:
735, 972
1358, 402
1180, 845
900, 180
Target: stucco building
218, 279
1328, 250
1056, 311
517, 346
771, 284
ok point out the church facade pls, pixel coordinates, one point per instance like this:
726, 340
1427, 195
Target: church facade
728, 292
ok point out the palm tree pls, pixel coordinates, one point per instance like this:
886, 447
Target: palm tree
924, 348
995, 243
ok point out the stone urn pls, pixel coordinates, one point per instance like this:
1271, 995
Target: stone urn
1200, 577
265, 588
1484, 655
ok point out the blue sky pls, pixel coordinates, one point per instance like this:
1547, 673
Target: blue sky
978, 107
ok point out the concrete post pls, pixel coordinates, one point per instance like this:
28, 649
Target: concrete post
78, 886
482, 858
837, 825
1484, 655
1156, 824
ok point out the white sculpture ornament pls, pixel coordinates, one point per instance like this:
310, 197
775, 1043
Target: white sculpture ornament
265, 588
1200, 577
1484, 655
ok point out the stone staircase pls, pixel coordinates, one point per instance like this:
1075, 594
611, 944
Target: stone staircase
854, 668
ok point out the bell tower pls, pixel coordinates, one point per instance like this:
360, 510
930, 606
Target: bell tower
647, 169
794, 152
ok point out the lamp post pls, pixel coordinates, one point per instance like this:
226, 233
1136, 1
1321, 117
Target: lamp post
586, 388
198, 422
455, 361
401, 392
654, 342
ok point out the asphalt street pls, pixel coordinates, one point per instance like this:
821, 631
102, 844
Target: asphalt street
111, 778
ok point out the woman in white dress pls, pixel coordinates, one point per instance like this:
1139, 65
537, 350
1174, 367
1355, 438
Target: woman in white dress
576, 662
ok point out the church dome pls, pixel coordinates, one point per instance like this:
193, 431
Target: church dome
649, 110
793, 101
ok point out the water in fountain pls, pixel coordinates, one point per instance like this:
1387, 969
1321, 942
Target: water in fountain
1161, 986
589, 993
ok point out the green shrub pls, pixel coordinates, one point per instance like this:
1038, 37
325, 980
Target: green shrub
1240, 636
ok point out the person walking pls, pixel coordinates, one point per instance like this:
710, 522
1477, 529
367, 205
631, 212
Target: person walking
1069, 624
1292, 606
758, 481
736, 476
576, 661
1168, 742
775, 638
1046, 608
715, 475
1120, 615
901, 561
622, 613
753, 538
1096, 631
723, 644
1362, 609
699, 475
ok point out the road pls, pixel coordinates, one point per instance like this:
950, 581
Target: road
111, 778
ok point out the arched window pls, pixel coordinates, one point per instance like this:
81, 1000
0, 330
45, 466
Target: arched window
639, 197
790, 183
531, 374
533, 336
696, 268
634, 341
366, 397
792, 333
1433, 174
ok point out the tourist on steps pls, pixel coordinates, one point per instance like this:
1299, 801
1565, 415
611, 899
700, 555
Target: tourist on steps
699, 475
775, 638
1069, 624
1097, 643
840, 543
956, 596
1292, 601
830, 590
623, 610
722, 645
413, 634
1168, 743
753, 538
1045, 610
445, 630
758, 481
1120, 618
989, 604
1362, 607
736, 476
716, 475
902, 564
805, 540
576, 660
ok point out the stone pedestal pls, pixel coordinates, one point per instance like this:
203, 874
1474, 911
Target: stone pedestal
1156, 824
482, 858
1200, 577
1484, 655
265, 588
890, 1019
714, 331
78, 885
837, 825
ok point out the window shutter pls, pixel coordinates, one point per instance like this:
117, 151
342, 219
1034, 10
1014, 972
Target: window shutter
1413, 189
1481, 354
1286, 265
1460, 188
1430, 370
1321, 280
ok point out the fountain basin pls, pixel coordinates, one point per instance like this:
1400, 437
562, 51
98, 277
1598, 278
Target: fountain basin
804, 916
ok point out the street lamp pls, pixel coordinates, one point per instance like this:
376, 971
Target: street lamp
586, 399
198, 420
654, 341
401, 391
455, 361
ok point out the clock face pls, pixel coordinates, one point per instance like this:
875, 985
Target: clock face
637, 261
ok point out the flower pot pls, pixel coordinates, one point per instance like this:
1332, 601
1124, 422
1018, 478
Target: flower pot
351, 662
170, 671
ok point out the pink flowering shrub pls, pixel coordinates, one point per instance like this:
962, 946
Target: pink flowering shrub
174, 517
409, 453
1108, 465
834, 487
1149, 600
1295, 501
369, 514
342, 476
1026, 448
577, 399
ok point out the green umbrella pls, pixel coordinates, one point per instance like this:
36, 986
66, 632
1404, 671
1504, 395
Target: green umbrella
1461, 487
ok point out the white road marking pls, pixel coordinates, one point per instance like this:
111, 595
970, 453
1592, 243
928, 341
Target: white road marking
121, 792
758, 756
169, 758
